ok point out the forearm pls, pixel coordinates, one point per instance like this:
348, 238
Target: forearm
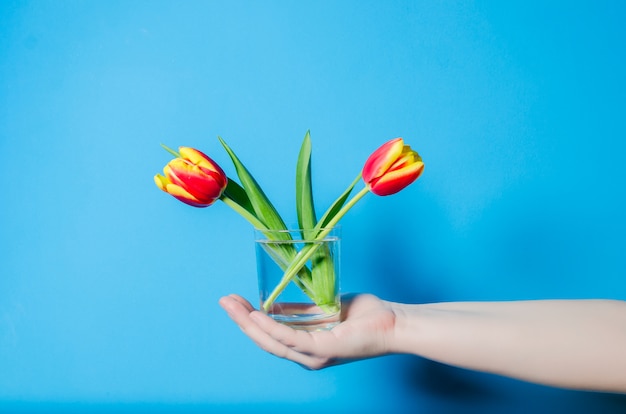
575, 344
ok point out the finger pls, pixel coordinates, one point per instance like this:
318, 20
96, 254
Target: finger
319, 345
270, 343
237, 308
243, 301
240, 313
247, 322
284, 334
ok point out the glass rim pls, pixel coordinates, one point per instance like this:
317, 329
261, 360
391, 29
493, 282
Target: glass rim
261, 234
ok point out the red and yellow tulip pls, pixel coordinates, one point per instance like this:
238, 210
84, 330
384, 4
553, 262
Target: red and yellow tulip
192, 178
392, 167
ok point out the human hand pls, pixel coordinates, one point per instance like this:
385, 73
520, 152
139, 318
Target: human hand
365, 331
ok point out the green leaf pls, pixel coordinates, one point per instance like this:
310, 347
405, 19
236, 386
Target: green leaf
304, 190
236, 193
323, 276
171, 151
336, 206
263, 208
322, 281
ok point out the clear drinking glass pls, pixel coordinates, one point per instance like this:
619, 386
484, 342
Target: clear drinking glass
310, 299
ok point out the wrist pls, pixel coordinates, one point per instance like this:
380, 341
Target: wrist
408, 328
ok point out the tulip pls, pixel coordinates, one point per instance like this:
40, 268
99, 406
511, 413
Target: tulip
192, 178
392, 167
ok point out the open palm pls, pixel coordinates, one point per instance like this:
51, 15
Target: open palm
366, 328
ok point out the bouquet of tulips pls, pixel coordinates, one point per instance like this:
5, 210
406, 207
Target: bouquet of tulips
195, 179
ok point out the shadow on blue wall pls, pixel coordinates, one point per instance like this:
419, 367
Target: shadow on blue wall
454, 390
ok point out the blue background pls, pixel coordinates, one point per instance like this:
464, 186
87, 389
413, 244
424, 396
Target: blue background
109, 287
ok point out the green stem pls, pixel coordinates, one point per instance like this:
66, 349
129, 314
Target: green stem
333, 222
288, 255
243, 212
304, 254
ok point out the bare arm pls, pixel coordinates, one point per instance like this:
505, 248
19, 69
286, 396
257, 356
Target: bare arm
579, 344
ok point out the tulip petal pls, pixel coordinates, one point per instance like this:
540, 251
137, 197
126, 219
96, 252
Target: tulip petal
205, 187
200, 159
408, 156
161, 182
180, 194
382, 159
394, 181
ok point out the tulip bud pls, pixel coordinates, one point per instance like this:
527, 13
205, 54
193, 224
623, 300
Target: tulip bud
392, 167
193, 178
